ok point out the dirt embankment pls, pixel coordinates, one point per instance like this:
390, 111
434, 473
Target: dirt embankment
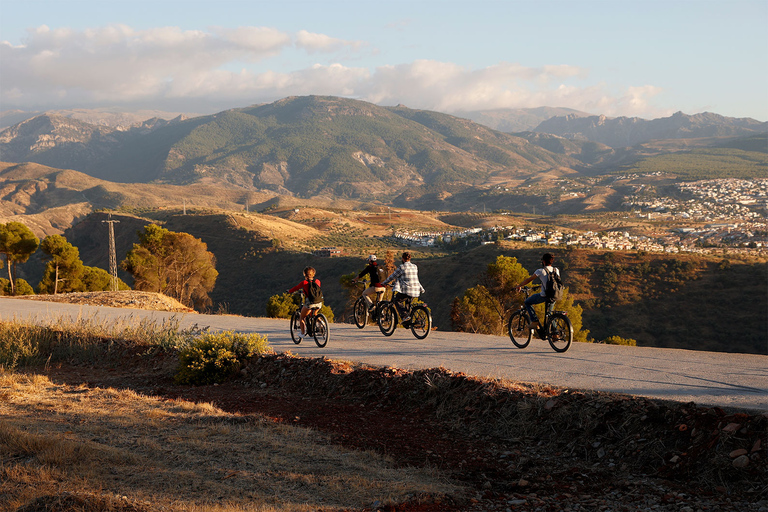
120, 299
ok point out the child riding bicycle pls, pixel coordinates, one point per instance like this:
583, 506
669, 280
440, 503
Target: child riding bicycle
313, 297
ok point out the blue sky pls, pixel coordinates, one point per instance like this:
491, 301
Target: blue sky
614, 57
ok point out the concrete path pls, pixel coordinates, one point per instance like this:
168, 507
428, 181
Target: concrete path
708, 378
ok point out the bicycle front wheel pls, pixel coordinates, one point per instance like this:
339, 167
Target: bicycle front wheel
387, 319
296, 327
321, 332
560, 332
360, 312
421, 321
518, 329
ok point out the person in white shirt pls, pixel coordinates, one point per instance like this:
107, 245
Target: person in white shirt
546, 260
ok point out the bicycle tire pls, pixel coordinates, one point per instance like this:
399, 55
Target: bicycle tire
360, 312
296, 327
518, 330
387, 319
559, 332
421, 321
321, 333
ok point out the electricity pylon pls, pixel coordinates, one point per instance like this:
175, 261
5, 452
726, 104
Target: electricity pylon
112, 254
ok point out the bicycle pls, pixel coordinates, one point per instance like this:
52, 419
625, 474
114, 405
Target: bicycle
360, 310
316, 325
420, 322
557, 328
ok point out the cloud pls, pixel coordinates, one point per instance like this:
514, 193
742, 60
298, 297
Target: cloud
313, 43
113, 65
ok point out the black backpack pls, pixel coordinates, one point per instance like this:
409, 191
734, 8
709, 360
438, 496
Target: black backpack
554, 289
315, 295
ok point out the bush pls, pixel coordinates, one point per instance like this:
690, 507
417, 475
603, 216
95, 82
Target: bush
617, 340
22, 287
283, 306
215, 357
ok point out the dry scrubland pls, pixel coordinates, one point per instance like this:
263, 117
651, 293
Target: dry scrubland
119, 450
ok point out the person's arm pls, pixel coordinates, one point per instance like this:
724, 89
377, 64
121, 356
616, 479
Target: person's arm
394, 275
297, 287
531, 278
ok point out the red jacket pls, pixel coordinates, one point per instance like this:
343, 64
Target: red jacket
304, 285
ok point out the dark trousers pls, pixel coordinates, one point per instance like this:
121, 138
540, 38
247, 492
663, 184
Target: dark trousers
403, 305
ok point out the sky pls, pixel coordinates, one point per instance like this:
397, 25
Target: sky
647, 59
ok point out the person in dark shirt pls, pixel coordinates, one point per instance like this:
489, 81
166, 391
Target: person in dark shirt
372, 270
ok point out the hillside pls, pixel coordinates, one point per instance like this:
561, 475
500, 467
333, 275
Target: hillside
49, 200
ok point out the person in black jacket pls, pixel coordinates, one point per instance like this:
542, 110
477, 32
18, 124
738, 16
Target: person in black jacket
373, 270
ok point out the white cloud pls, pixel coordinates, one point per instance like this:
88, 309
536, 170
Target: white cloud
313, 43
58, 68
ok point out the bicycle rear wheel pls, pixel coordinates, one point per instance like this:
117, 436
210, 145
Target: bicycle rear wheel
518, 329
421, 321
387, 318
560, 332
360, 312
321, 332
296, 327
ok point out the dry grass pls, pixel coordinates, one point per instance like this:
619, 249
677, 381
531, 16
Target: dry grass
106, 449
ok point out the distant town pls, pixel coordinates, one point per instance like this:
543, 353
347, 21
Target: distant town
719, 214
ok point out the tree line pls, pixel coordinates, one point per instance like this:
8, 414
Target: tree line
175, 264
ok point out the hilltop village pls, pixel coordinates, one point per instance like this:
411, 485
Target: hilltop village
721, 214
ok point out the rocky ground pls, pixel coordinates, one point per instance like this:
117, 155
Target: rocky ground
514, 447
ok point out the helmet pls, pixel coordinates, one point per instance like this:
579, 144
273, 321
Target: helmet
372, 257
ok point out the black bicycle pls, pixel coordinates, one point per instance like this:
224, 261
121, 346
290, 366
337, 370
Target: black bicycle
316, 324
557, 329
420, 322
362, 313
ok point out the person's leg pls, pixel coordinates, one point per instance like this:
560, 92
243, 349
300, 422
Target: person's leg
529, 303
402, 303
304, 313
368, 293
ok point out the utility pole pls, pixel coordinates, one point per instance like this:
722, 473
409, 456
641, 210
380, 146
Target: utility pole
112, 254
185, 206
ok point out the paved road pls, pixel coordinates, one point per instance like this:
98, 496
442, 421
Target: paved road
707, 378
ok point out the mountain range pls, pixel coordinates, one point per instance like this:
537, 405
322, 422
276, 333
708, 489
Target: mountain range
630, 131
334, 149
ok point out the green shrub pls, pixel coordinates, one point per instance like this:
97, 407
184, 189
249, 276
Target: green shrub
618, 340
215, 357
22, 287
283, 306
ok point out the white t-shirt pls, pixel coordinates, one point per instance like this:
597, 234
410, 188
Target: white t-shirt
542, 274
